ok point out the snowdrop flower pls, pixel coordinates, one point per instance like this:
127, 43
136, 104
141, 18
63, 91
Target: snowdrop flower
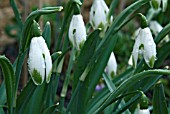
156, 28
144, 111
145, 45
39, 61
77, 31
99, 16
112, 65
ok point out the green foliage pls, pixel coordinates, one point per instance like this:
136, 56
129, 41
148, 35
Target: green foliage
86, 68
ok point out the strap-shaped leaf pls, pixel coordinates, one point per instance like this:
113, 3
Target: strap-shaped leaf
35, 103
3, 94
50, 110
85, 55
47, 34
112, 7
8, 73
159, 100
25, 96
163, 33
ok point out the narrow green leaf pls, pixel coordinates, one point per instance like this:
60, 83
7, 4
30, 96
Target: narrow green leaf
35, 103
85, 55
112, 7
47, 34
8, 73
3, 94
25, 96
109, 82
163, 53
159, 100
17, 14
50, 109
65, 23
163, 33
133, 100
97, 101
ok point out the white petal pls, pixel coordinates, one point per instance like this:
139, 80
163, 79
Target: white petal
112, 65
48, 61
36, 62
149, 47
155, 27
144, 111
130, 62
77, 31
98, 14
136, 50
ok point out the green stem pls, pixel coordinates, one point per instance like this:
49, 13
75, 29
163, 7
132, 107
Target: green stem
74, 96
19, 64
67, 78
68, 13
16, 12
112, 7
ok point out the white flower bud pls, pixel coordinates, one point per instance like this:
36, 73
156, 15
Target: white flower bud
145, 45
112, 65
144, 111
99, 15
77, 31
156, 28
130, 62
39, 61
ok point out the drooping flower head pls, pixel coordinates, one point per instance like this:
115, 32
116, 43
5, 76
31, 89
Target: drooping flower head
77, 31
99, 15
145, 45
39, 61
